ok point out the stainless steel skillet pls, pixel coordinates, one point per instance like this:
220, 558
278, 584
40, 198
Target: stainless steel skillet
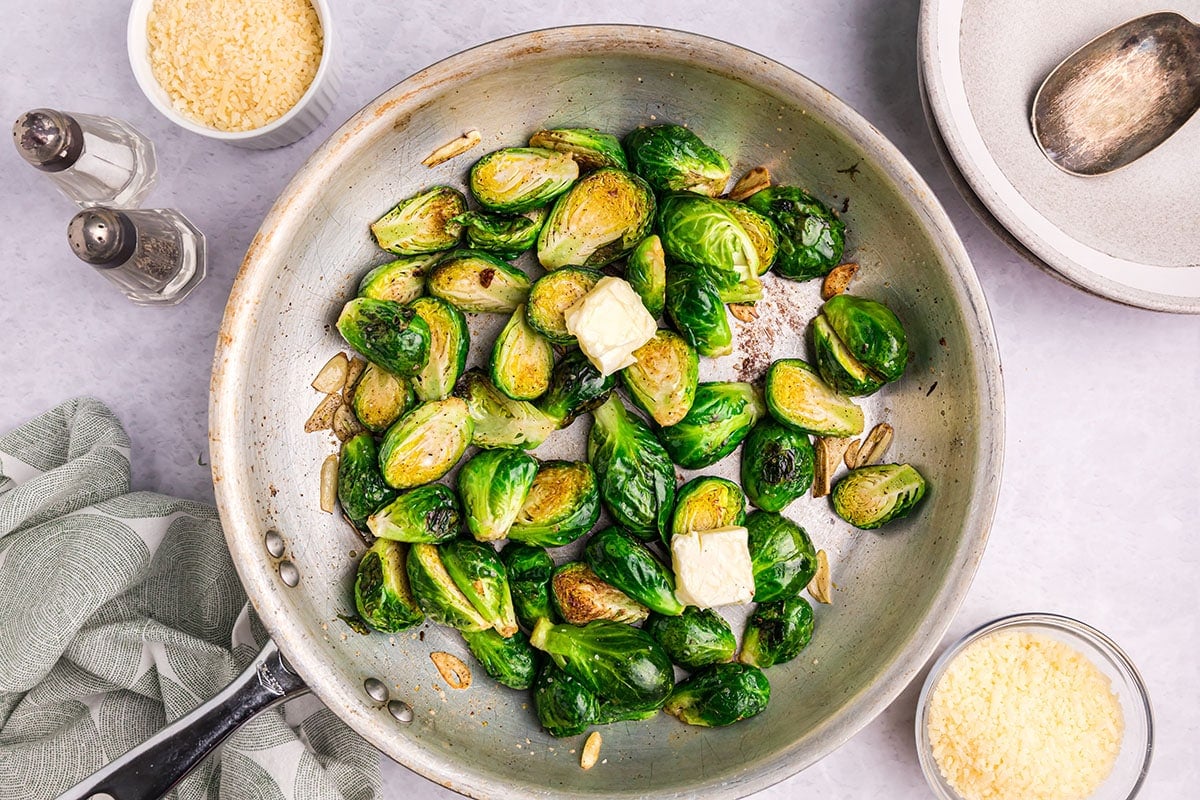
897, 591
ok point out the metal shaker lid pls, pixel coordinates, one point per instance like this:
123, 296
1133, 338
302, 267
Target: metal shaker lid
49, 140
103, 237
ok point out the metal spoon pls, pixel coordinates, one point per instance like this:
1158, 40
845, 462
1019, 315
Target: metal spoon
1120, 95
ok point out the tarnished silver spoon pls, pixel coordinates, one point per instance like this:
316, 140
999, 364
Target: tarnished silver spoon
1120, 95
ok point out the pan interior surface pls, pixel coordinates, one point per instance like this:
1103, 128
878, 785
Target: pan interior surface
896, 591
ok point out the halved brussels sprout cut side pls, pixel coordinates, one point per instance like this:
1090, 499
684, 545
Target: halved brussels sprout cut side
428, 514
797, 397
423, 223
425, 443
720, 695
782, 555
663, 381
646, 271
634, 472
449, 342
705, 504
720, 417
387, 333
621, 560
381, 398
478, 573
811, 238
576, 387
860, 344
777, 632
562, 505
590, 148
493, 485
694, 639
601, 218
516, 179
762, 233
506, 235
400, 281
477, 282
697, 312
500, 421
672, 158
361, 488
381, 591
552, 295
522, 359
580, 596
507, 660
777, 465
441, 600
869, 497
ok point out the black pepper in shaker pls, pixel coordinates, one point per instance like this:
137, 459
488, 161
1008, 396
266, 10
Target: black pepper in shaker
155, 256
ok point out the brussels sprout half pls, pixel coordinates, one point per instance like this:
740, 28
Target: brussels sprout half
441, 600
380, 398
777, 465
562, 505
552, 295
634, 472
797, 397
590, 148
576, 387
387, 333
859, 343
529, 571
601, 218
425, 443
506, 235
500, 421
705, 504
762, 233
449, 341
672, 158
564, 706
478, 573
507, 660
493, 485
621, 560
478, 282
720, 417
381, 592
694, 639
646, 271
361, 489
869, 497
720, 695
697, 312
516, 179
580, 596
611, 659
522, 359
423, 223
663, 380
428, 514
782, 555
811, 238
776, 632
701, 231
401, 280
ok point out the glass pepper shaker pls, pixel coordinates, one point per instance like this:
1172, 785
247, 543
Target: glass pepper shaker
154, 255
93, 160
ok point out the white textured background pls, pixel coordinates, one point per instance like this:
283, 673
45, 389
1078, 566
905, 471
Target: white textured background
1099, 517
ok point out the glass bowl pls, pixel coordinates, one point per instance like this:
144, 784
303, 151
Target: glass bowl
1137, 743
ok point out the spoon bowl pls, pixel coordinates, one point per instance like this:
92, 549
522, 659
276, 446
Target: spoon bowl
1120, 95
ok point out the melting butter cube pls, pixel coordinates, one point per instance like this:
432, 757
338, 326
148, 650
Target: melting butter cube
610, 322
712, 568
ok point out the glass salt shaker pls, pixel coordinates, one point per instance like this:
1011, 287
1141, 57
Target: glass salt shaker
154, 255
93, 160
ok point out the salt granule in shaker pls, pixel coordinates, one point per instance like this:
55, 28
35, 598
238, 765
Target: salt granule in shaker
93, 160
154, 255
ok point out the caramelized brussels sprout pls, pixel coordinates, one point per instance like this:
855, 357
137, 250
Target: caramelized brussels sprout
441, 600
507, 660
478, 282
697, 312
777, 465
562, 505
860, 345
381, 398
506, 235
869, 497
611, 659
701, 231
449, 342
720, 417
428, 514
705, 504
580, 596
663, 381
493, 485
425, 443
576, 387
564, 706
478, 573
672, 158
694, 639
522, 359
797, 397
811, 238
590, 148
387, 333
601, 218
529, 570
361, 488
622, 561
634, 472
782, 555
552, 295
423, 223
777, 632
761, 231
646, 271
720, 695
517, 179
401, 280
500, 421
381, 592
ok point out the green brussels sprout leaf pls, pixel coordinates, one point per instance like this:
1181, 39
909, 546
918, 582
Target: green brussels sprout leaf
441, 600
428, 514
493, 485
564, 706
694, 639
387, 333
529, 571
720, 417
478, 573
782, 555
811, 238
506, 235
622, 561
361, 489
697, 312
776, 632
646, 271
507, 660
720, 695
576, 387
777, 465
381, 592
500, 421
672, 158
634, 472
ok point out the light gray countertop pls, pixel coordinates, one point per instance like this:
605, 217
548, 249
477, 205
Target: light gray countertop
1099, 516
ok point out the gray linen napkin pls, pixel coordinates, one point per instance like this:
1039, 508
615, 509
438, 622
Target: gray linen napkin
119, 612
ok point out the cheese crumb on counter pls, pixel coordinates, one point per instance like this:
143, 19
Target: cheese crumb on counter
610, 322
712, 568
1018, 715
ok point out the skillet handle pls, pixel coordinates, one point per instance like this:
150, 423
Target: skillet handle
150, 770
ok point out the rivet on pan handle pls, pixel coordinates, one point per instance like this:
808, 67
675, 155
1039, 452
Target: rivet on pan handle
153, 768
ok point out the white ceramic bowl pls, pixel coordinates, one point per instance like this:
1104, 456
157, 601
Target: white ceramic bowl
300, 120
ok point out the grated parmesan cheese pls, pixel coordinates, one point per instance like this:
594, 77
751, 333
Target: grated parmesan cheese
234, 65
1018, 715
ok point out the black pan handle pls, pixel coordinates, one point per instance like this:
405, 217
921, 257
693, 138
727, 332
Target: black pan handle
150, 770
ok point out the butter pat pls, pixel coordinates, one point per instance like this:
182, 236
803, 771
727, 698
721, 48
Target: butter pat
712, 568
610, 322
